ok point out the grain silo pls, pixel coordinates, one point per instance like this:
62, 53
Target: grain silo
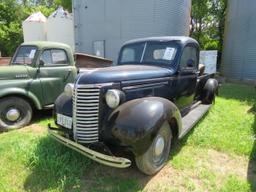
60, 27
35, 27
102, 26
239, 55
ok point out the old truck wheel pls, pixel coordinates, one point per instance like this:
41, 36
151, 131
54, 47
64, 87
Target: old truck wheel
209, 98
156, 156
15, 113
209, 91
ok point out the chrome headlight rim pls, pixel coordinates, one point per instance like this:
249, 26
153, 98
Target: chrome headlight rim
68, 90
113, 98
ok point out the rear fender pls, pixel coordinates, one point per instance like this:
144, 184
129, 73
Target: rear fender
136, 123
210, 89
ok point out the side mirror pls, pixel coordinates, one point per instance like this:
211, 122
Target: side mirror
41, 63
190, 63
201, 69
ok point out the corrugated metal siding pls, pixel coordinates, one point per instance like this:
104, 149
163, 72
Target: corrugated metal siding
116, 21
239, 55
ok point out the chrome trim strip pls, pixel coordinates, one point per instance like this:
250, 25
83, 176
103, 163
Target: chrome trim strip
86, 115
87, 112
147, 80
157, 80
145, 86
88, 94
93, 85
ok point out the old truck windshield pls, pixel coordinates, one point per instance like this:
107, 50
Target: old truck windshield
25, 55
155, 53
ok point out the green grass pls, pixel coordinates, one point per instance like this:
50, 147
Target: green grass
234, 184
230, 125
213, 157
30, 163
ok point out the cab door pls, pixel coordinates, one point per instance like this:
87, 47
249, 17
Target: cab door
55, 71
187, 76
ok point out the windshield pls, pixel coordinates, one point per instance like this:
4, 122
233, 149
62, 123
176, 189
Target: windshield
25, 55
155, 53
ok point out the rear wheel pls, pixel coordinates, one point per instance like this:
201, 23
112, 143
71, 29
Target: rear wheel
209, 91
156, 156
209, 98
15, 113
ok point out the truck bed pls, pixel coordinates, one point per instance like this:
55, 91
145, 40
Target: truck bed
85, 61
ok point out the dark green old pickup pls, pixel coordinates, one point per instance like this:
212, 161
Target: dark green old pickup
35, 77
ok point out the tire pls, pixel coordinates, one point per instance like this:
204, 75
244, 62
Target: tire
149, 163
209, 91
208, 98
15, 113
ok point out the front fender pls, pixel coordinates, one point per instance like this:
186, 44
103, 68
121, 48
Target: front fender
136, 123
22, 92
63, 105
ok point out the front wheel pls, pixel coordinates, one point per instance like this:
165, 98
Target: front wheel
156, 156
15, 113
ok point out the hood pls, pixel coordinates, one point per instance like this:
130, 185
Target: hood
122, 73
13, 72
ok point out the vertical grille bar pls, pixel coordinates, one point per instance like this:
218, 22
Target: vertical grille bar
86, 113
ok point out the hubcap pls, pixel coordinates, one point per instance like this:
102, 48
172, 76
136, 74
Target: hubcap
159, 146
13, 114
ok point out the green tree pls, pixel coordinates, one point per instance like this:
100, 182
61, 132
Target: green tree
10, 26
218, 10
199, 21
12, 14
66, 4
207, 23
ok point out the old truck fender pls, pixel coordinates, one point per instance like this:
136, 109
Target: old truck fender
21, 92
63, 105
136, 123
209, 90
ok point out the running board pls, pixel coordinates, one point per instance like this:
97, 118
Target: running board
190, 120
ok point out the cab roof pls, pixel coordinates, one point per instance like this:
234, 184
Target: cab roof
182, 39
46, 44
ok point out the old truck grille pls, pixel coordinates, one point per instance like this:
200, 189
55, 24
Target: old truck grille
86, 113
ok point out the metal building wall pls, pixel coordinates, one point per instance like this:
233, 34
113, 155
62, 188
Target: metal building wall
239, 55
116, 21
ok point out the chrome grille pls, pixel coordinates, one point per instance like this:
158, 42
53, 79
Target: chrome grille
86, 113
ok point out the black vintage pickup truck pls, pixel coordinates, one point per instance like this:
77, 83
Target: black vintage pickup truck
155, 93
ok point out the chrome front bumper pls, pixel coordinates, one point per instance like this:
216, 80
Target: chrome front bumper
111, 161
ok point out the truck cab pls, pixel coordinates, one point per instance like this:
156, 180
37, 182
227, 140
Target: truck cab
180, 60
155, 93
35, 77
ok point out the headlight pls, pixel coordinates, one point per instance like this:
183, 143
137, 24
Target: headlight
113, 98
68, 90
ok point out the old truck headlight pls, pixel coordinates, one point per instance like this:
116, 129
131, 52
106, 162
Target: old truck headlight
68, 90
113, 98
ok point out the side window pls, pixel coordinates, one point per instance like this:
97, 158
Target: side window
54, 57
59, 57
128, 55
46, 57
188, 58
